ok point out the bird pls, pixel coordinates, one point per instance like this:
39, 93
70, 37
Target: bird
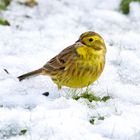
78, 65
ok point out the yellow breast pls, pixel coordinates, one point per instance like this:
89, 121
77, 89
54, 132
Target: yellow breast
83, 71
85, 52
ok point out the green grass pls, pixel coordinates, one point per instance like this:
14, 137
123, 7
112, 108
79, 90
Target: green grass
4, 22
4, 4
94, 119
11, 131
89, 95
124, 5
23, 132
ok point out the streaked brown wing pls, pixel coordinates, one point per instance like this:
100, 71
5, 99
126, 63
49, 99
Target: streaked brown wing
58, 62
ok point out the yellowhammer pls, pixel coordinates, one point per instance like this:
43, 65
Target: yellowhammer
78, 65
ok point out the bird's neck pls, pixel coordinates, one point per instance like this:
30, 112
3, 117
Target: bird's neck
89, 53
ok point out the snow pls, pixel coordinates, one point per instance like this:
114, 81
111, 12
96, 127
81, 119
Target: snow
36, 35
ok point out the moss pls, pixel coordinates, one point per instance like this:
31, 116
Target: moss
124, 5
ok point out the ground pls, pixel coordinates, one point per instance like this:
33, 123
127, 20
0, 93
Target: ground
36, 35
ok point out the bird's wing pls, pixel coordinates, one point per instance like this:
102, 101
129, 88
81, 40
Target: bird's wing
59, 61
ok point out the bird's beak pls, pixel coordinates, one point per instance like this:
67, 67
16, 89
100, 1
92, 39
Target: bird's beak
79, 40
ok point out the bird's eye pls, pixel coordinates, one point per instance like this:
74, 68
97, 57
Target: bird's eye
91, 39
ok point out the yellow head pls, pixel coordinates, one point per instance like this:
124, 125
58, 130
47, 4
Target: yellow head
93, 40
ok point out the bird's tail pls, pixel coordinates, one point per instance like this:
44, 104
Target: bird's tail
31, 74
